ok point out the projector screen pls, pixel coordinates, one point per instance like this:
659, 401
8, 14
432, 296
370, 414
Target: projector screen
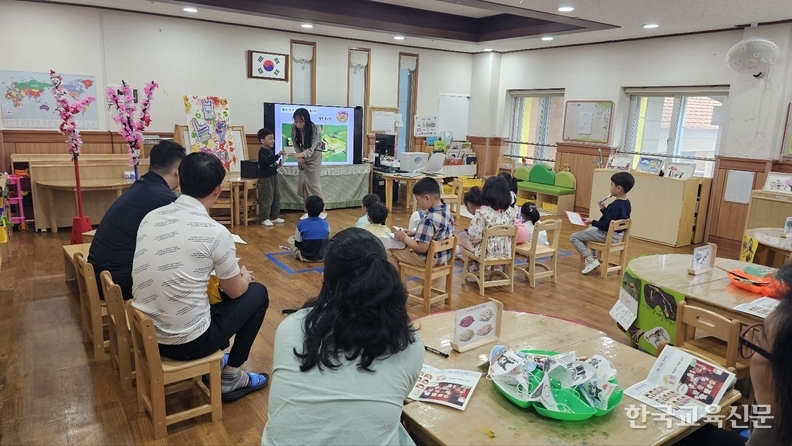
341, 130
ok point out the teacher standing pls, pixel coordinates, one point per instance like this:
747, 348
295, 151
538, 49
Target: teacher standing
307, 144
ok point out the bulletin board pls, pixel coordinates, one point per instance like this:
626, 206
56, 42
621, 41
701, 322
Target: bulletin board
588, 121
181, 135
381, 120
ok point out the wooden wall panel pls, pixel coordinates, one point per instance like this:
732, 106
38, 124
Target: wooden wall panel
582, 160
487, 150
726, 220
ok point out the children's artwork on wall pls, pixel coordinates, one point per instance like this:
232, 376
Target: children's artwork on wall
778, 182
209, 129
620, 162
649, 164
588, 121
681, 171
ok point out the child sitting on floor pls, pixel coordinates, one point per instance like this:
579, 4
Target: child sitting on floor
368, 200
376, 216
312, 234
530, 215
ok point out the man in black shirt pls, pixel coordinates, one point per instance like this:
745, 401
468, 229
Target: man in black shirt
113, 246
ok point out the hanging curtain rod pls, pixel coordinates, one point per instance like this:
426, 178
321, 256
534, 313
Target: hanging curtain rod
531, 143
663, 155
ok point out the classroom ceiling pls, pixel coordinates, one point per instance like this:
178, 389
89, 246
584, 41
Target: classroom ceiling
471, 25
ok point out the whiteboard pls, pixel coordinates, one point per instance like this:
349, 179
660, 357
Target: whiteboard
452, 115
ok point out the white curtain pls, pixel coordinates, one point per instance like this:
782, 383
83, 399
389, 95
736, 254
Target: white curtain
358, 66
408, 62
302, 73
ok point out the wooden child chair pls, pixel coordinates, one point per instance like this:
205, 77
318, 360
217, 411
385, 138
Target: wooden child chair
155, 373
609, 247
121, 355
93, 310
454, 199
535, 251
430, 272
224, 209
249, 202
507, 275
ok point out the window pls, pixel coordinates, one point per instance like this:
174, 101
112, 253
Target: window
408, 81
537, 117
682, 122
358, 93
303, 72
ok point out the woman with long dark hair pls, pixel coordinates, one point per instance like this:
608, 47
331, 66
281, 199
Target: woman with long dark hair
345, 362
307, 141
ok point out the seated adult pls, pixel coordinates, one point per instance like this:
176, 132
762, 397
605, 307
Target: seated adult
766, 344
345, 362
179, 246
113, 245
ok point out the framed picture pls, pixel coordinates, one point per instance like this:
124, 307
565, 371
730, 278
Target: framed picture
269, 66
778, 182
649, 164
620, 162
681, 171
786, 148
703, 259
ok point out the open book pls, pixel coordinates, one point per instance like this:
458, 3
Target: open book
682, 385
451, 388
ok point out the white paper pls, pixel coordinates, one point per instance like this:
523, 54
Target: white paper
575, 218
690, 375
238, 239
622, 315
382, 121
450, 387
739, 184
788, 225
585, 123
760, 307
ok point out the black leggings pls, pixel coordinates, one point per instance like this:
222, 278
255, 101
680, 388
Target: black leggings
241, 317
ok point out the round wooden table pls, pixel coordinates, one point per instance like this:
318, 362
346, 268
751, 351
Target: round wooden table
772, 249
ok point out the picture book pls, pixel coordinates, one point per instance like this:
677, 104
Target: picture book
760, 307
452, 388
650, 165
682, 385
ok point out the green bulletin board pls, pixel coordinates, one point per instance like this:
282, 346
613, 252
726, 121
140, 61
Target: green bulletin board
657, 307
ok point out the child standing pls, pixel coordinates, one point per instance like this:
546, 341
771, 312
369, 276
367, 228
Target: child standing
530, 215
437, 223
312, 233
619, 209
269, 195
368, 200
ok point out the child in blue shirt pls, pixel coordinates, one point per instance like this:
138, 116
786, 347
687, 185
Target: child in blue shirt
619, 209
312, 233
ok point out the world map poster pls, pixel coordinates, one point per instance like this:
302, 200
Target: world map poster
209, 130
27, 100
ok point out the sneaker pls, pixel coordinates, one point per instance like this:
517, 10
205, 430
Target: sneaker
470, 279
279, 221
266, 223
590, 266
323, 215
304, 216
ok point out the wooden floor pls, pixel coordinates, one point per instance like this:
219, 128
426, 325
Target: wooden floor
51, 393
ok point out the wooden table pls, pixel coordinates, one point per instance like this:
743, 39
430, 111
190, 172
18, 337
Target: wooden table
238, 185
88, 236
389, 178
712, 290
69, 268
69, 185
491, 419
770, 243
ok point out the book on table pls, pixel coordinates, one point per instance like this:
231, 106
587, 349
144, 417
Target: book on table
683, 385
761, 307
450, 387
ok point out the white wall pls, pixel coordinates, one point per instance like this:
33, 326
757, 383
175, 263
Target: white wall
601, 71
190, 57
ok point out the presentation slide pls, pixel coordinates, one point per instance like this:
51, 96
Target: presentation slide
336, 129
